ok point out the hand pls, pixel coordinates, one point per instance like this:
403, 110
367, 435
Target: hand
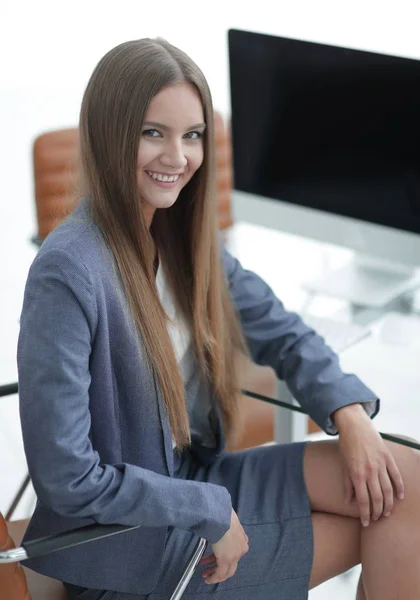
371, 472
226, 553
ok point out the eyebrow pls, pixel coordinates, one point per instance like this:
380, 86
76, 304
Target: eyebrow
166, 128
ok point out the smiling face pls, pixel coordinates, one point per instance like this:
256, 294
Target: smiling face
171, 146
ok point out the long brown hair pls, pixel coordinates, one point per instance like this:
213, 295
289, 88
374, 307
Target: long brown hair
112, 113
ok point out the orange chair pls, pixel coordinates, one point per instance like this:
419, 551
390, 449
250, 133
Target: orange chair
19, 583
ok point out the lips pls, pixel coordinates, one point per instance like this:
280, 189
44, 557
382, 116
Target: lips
163, 180
164, 177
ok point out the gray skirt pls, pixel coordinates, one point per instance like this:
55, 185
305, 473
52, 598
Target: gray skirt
269, 495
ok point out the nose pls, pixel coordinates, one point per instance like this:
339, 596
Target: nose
173, 156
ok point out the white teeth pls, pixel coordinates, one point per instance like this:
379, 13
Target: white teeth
165, 178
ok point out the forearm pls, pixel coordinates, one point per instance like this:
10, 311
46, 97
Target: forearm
349, 416
317, 382
281, 340
130, 495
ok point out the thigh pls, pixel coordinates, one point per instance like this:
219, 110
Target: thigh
268, 493
336, 546
336, 527
266, 483
324, 479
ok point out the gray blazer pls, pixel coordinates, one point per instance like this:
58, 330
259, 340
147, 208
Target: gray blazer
94, 424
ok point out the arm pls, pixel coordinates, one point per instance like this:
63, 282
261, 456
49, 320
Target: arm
280, 339
333, 399
58, 326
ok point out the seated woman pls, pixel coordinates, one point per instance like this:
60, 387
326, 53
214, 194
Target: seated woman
132, 318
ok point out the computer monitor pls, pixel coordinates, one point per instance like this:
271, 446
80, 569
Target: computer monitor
326, 144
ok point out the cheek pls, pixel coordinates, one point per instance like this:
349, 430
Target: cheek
145, 155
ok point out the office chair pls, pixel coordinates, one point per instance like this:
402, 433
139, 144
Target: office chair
19, 583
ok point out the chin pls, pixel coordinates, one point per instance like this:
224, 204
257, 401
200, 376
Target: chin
166, 202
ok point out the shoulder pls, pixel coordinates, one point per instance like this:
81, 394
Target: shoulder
63, 275
77, 236
76, 246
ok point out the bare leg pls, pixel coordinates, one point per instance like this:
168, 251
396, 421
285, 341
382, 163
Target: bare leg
336, 546
389, 549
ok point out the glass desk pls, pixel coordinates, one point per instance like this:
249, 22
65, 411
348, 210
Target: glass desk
286, 262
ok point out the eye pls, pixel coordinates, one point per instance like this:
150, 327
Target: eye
193, 135
151, 133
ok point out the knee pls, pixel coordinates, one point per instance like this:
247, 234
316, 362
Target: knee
408, 463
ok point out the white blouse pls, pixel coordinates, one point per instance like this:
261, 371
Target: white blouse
196, 391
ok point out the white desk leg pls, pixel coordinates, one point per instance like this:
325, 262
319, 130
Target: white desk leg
289, 426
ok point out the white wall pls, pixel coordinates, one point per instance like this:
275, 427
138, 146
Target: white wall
48, 50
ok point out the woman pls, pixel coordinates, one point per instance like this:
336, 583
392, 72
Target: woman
132, 318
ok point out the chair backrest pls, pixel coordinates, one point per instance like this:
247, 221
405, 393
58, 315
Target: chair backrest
20, 583
55, 158
13, 584
224, 172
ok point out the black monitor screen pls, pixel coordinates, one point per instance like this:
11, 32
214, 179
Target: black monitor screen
325, 127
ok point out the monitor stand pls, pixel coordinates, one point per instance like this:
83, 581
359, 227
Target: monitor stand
367, 281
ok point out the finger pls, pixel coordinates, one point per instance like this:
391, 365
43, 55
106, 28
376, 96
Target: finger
208, 572
348, 490
215, 577
219, 574
376, 496
387, 491
396, 478
362, 497
208, 560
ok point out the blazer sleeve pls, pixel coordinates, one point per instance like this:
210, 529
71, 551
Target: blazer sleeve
280, 339
58, 325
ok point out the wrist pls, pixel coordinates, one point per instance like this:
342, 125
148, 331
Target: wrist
348, 415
